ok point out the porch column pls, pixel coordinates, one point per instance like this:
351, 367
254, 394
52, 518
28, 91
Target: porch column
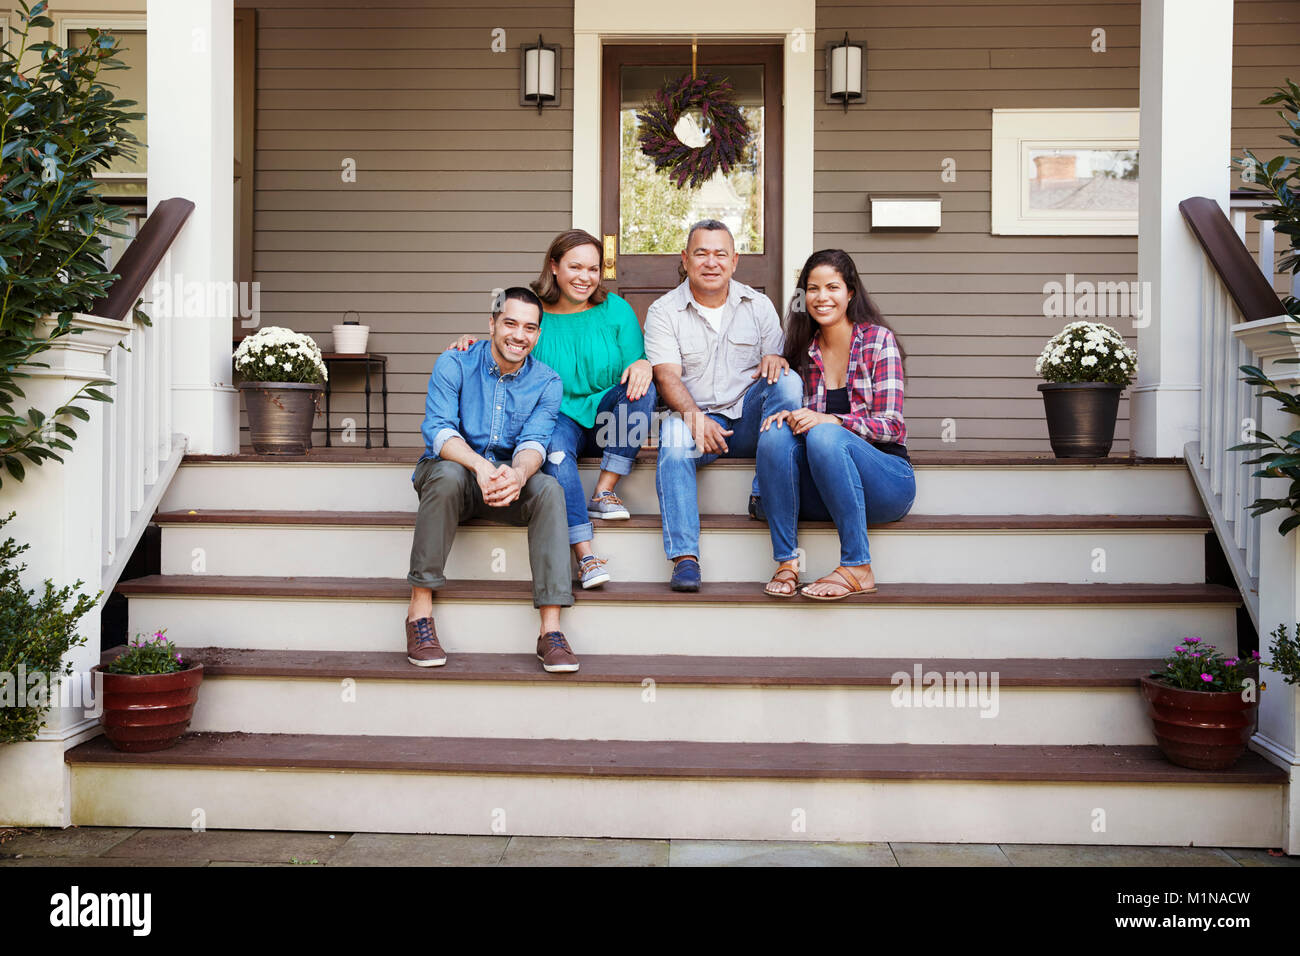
191, 154
1184, 144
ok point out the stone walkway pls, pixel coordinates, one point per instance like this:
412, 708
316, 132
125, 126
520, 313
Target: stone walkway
118, 847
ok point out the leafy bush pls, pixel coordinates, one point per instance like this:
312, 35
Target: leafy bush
1087, 352
34, 633
59, 122
1196, 665
158, 656
1286, 654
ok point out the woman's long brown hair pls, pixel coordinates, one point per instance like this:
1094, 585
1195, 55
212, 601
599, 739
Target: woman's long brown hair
800, 327
546, 287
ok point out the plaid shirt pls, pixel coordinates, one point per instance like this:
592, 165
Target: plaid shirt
875, 382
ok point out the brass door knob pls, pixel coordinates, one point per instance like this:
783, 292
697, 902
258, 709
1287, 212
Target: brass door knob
611, 258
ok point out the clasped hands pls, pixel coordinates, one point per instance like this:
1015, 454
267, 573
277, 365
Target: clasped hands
500, 485
801, 420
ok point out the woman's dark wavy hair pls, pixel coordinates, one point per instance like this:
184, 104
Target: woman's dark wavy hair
547, 289
800, 327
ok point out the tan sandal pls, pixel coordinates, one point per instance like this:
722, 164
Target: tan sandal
847, 580
783, 575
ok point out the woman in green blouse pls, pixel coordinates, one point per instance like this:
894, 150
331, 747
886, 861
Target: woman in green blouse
592, 338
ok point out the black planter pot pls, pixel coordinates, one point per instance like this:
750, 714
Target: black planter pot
1081, 417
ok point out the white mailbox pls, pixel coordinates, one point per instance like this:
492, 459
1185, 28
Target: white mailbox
920, 212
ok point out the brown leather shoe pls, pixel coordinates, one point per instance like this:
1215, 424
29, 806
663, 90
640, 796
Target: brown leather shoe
422, 647
555, 654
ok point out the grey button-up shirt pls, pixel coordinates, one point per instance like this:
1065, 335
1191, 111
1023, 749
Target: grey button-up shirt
717, 367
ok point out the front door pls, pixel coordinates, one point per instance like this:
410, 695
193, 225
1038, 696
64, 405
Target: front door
647, 214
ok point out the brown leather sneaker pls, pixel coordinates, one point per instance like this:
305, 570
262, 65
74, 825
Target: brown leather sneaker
422, 647
555, 654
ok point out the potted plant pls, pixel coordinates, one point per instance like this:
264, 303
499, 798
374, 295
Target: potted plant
283, 377
1085, 367
149, 695
1203, 705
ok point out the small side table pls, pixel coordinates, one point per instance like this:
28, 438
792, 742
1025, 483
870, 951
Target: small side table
369, 360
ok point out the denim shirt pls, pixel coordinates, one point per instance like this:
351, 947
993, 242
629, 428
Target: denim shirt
498, 415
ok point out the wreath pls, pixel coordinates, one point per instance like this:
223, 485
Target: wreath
729, 132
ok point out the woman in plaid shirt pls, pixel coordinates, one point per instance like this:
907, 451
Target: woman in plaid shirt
842, 457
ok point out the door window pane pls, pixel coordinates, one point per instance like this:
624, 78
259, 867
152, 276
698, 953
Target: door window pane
127, 176
654, 215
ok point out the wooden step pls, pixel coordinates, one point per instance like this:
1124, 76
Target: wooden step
678, 790
699, 698
1004, 549
923, 620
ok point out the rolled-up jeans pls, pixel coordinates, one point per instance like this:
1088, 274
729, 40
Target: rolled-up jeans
449, 495
675, 476
830, 473
622, 427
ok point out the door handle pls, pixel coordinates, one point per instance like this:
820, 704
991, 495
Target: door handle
610, 270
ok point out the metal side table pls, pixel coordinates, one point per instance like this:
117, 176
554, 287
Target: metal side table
369, 360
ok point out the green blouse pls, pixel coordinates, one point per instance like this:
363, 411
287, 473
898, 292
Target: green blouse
589, 350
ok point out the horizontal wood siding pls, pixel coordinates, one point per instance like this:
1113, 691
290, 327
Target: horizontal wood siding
968, 305
459, 189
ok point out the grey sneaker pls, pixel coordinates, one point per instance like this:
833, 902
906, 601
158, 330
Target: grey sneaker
608, 506
593, 572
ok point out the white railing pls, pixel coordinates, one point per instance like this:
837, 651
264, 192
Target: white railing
1242, 212
140, 452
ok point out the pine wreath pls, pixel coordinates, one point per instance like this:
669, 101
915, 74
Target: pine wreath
729, 137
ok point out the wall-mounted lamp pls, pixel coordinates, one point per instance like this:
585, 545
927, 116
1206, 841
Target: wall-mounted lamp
844, 68
539, 74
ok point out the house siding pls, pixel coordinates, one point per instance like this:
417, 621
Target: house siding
459, 189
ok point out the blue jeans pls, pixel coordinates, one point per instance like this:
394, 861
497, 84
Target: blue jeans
621, 428
679, 504
830, 473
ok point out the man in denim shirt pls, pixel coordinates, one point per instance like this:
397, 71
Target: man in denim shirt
488, 405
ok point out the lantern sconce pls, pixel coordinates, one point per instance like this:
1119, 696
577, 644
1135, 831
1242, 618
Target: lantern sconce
539, 74
845, 64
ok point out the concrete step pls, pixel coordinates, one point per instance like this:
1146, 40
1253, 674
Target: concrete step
900, 620
679, 790
627, 697
1006, 549
329, 480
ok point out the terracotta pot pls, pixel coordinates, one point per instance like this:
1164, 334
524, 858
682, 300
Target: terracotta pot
144, 712
280, 415
1205, 730
1081, 417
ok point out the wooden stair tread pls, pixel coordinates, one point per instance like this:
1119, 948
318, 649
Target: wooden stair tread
722, 592
664, 669
410, 455
677, 759
914, 522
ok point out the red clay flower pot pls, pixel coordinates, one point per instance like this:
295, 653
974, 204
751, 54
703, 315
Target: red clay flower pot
144, 712
1205, 730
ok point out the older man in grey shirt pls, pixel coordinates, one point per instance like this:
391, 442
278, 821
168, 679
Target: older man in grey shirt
716, 346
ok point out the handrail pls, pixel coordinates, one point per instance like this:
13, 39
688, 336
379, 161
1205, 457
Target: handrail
142, 257
1250, 289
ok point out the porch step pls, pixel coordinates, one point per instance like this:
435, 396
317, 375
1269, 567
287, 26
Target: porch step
629, 697
917, 620
679, 790
380, 480
920, 548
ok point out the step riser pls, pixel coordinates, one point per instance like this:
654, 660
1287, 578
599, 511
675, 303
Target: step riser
637, 554
851, 715
941, 489
804, 630
921, 811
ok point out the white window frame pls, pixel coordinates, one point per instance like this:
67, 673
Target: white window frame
1017, 131
65, 26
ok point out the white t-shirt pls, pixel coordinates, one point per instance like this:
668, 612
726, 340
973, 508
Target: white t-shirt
712, 316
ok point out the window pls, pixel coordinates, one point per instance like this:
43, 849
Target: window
125, 178
1065, 172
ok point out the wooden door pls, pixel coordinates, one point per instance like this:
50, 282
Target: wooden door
647, 214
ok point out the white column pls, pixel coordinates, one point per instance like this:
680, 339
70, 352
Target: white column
58, 514
1184, 147
191, 154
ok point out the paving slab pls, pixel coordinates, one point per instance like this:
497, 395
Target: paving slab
1023, 854
97, 862
239, 846
65, 842
1250, 856
579, 851
763, 853
420, 849
949, 854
